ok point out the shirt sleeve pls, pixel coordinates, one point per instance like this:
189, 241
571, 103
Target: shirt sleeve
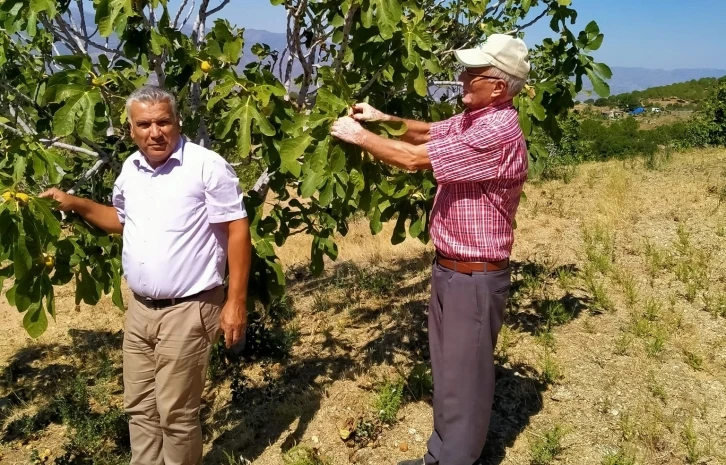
118, 199
223, 195
472, 156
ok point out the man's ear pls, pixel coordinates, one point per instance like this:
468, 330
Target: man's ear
500, 89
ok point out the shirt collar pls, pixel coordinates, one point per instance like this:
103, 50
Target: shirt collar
178, 154
474, 114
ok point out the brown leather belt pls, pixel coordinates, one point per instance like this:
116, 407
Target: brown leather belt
470, 267
158, 304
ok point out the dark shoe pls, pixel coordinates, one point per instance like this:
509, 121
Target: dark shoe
412, 462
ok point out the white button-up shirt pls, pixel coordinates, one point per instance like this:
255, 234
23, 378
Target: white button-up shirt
174, 245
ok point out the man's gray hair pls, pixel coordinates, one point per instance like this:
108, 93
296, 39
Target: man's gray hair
151, 94
514, 84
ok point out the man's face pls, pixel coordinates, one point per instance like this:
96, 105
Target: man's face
480, 88
155, 129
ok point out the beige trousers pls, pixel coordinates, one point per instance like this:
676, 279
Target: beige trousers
165, 355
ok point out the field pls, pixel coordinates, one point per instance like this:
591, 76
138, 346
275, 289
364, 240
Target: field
614, 349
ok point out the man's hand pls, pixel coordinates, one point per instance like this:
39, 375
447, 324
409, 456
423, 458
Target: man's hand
233, 322
348, 130
66, 202
365, 112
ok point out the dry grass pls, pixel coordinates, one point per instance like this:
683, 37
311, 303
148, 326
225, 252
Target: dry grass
613, 352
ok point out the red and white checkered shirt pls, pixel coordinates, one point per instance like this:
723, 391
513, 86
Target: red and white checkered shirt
480, 163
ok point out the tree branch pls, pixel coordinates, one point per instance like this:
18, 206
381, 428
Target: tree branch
61, 36
318, 43
525, 26
370, 83
188, 16
198, 29
346, 33
179, 12
87, 175
81, 13
73, 35
15, 91
291, 54
198, 39
20, 121
262, 186
152, 16
492, 9
77, 36
218, 8
54, 143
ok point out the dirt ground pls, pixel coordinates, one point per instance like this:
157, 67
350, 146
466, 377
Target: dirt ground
613, 352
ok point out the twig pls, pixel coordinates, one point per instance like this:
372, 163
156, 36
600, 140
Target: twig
370, 83
53, 143
152, 16
346, 33
87, 175
525, 26
17, 92
291, 54
103, 154
189, 15
279, 65
73, 32
83, 20
492, 9
218, 8
262, 186
58, 35
317, 44
179, 12
21, 122
198, 39
73, 35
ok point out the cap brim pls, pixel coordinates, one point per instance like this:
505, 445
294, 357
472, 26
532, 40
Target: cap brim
472, 58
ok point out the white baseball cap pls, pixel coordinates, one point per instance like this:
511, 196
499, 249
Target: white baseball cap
501, 51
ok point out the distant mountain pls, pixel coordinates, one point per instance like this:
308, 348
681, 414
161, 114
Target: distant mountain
626, 80
276, 41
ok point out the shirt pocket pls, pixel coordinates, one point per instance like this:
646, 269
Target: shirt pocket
178, 213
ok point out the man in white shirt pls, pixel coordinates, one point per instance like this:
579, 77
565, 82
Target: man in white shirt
180, 210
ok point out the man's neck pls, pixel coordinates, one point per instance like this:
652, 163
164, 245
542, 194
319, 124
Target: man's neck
157, 163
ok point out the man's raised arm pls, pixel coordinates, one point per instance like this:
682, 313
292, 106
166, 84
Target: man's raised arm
102, 216
417, 132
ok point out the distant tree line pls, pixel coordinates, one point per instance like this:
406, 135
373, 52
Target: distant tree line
592, 139
691, 93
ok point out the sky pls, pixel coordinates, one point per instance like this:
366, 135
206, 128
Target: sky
663, 34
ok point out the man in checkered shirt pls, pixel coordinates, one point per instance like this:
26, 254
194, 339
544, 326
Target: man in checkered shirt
479, 160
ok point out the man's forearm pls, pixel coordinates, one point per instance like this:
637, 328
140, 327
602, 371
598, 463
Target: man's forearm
417, 132
396, 153
102, 216
239, 255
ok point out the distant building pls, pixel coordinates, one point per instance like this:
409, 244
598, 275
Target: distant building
612, 114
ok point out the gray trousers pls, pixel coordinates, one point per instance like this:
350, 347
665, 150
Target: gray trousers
465, 316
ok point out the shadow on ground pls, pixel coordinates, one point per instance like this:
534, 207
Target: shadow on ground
386, 310
72, 384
